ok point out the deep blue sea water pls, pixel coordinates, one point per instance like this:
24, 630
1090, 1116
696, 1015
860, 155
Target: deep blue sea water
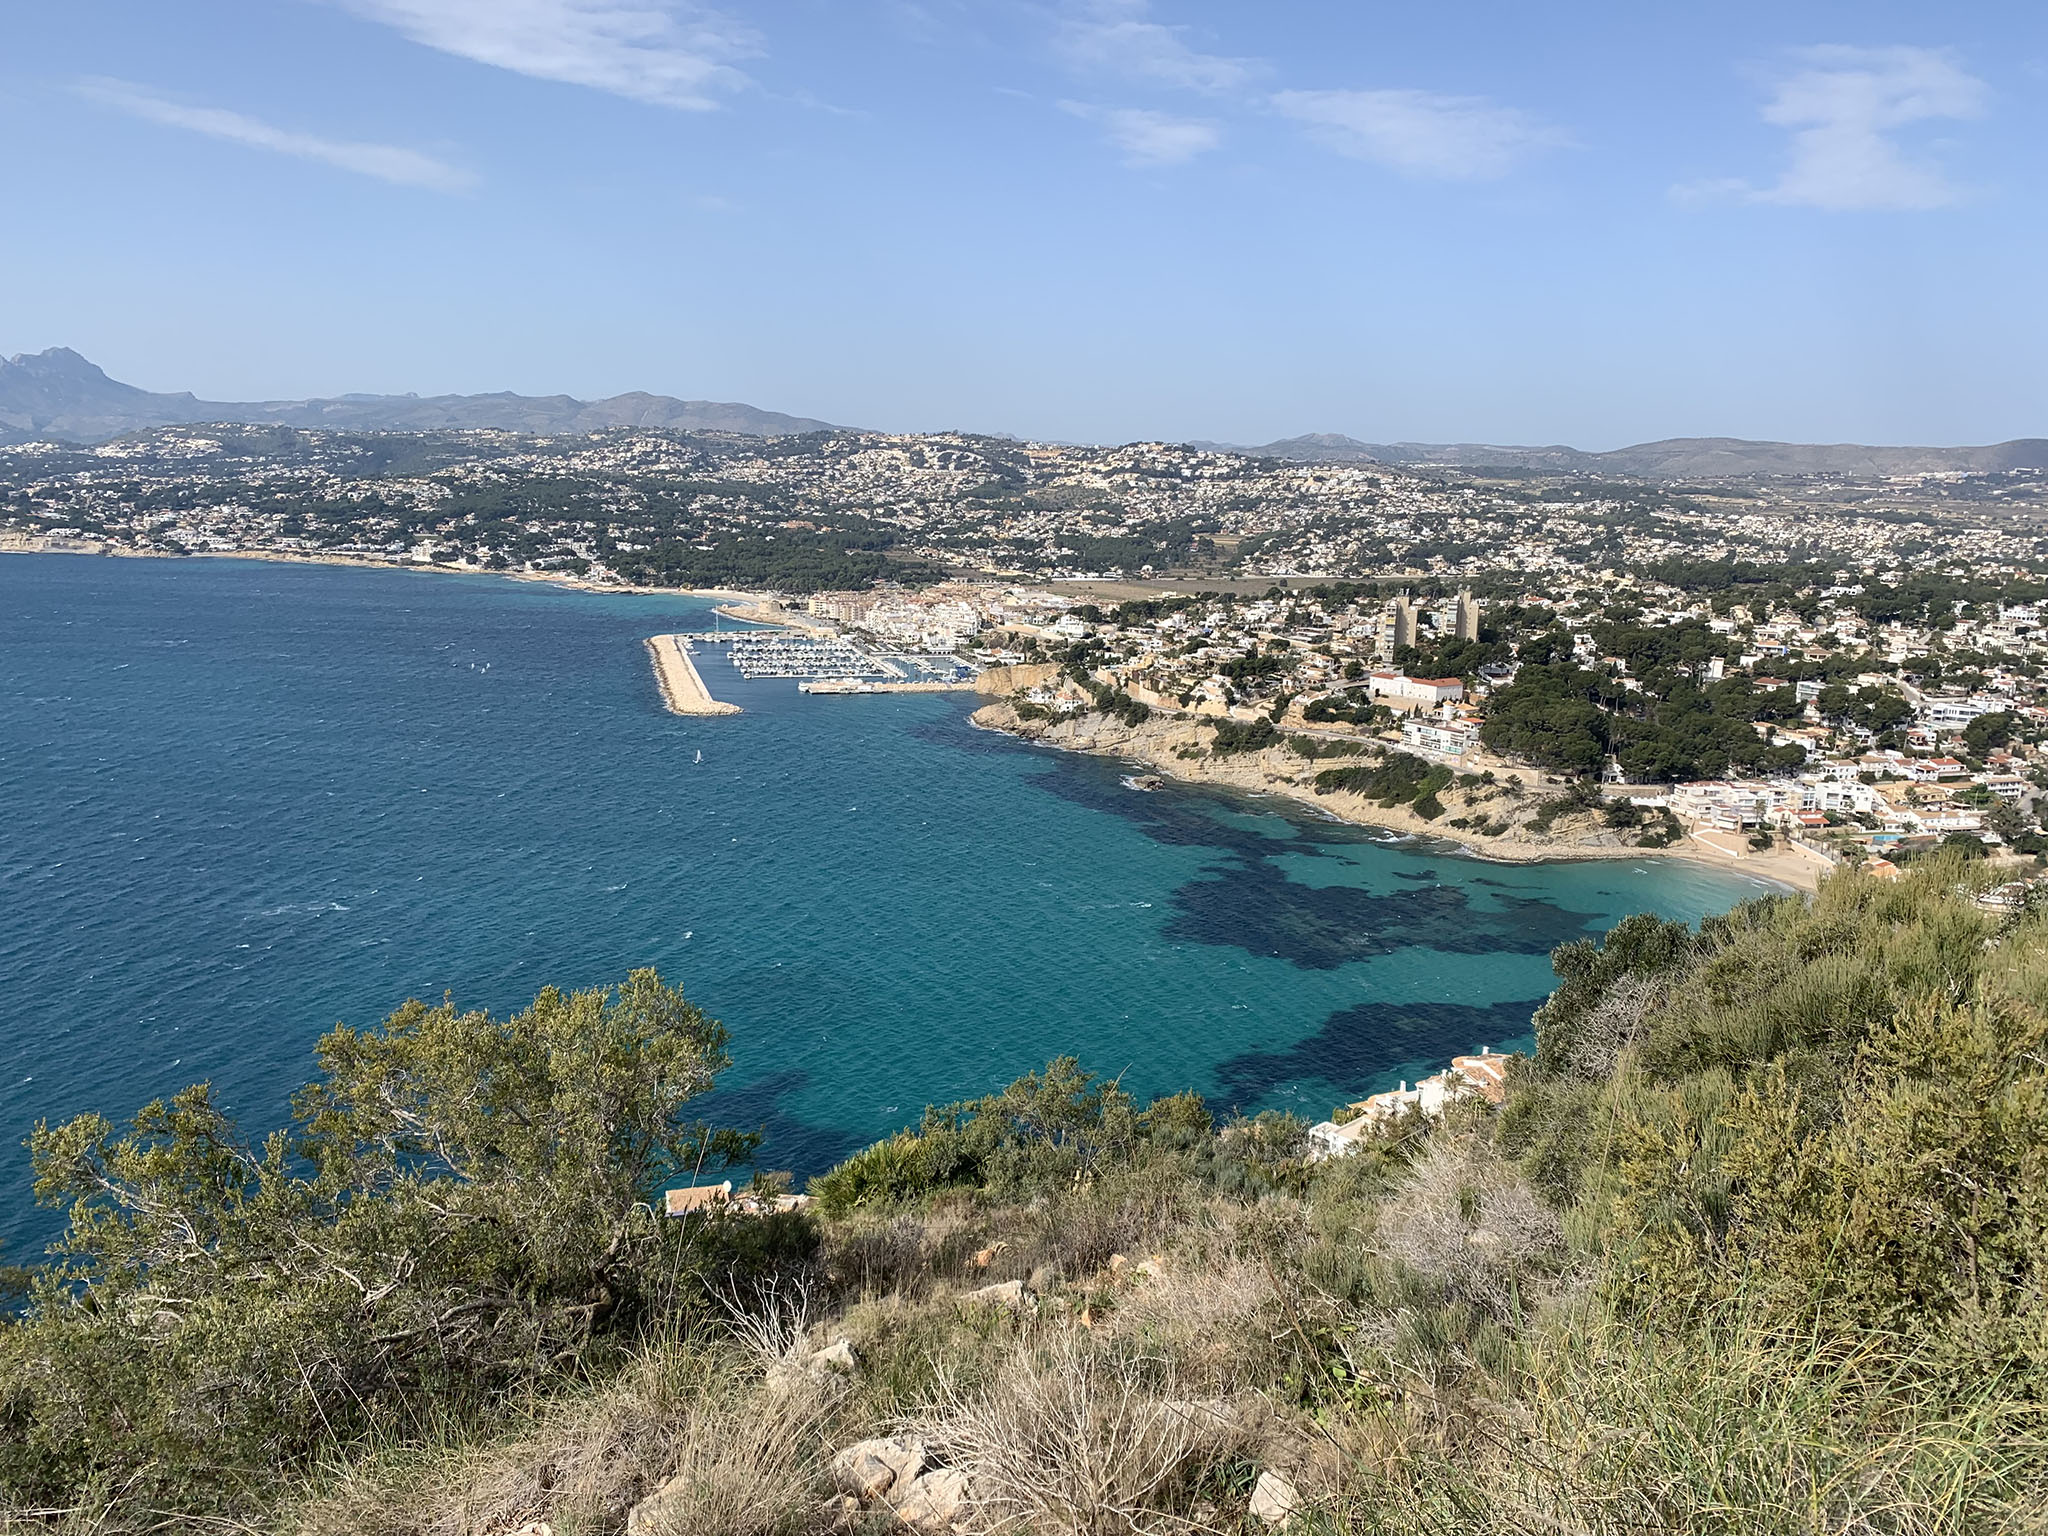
241, 802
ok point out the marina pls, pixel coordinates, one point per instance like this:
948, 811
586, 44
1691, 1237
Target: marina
777, 655
831, 665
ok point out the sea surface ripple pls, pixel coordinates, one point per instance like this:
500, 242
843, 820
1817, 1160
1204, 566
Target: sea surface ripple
245, 801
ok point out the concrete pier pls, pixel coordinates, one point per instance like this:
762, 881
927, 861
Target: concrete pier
682, 690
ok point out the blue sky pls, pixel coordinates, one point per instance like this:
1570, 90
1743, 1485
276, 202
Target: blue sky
1086, 219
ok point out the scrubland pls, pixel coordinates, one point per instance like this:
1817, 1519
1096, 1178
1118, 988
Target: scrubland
1756, 1244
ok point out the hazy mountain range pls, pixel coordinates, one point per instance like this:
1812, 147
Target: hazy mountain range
59, 396
1675, 458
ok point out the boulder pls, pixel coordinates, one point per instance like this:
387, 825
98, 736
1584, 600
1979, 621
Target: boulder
1274, 1499
842, 1509
1013, 1294
879, 1469
936, 1503
837, 1356
804, 1366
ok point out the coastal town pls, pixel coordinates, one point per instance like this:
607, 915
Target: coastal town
1627, 718
1795, 672
847, 510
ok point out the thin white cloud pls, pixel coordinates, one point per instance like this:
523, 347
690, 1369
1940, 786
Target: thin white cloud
1422, 134
671, 53
1149, 138
1845, 108
386, 162
1117, 37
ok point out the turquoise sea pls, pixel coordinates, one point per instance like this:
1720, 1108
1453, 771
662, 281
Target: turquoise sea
240, 802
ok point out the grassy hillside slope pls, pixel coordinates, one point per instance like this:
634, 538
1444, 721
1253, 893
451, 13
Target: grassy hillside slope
1757, 1244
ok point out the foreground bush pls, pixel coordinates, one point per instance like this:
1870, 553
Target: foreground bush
1837, 1110
459, 1210
1755, 1245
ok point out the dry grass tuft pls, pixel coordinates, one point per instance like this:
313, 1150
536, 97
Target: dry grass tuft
1468, 1221
1075, 1439
583, 1462
757, 1471
1217, 1321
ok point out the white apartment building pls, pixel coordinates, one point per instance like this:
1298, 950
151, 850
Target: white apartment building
1400, 691
1444, 738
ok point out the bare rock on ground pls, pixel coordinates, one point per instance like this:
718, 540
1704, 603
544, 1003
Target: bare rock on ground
837, 1356
1275, 1500
937, 1503
879, 1469
1014, 1294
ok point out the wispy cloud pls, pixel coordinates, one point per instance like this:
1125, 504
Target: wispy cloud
1421, 134
1118, 37
671, 53
1150, 138
386, 162
1845, 108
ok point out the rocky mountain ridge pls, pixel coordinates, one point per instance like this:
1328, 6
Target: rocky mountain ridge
57, 395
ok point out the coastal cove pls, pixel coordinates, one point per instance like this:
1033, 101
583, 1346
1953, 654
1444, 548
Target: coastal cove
251, 799
1171, 746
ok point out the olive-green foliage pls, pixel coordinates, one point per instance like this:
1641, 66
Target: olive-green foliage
1244, 736
1313, 747
1400, 778
1115, 703
1580, 796
1757, 1244
1043, 1130
1640, 945
1837, 1111
460, 1209
1720, 1429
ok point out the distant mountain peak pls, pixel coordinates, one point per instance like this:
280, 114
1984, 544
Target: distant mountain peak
58, 363
60, 394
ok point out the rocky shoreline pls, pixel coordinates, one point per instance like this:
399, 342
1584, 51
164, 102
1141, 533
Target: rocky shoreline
1173, 746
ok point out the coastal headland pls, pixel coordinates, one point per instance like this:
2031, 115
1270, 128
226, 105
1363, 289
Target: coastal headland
1173, 747
682, 689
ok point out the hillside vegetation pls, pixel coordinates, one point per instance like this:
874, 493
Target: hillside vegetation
1757, 1244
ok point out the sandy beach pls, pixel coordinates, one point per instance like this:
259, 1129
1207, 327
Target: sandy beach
1158, 742
682, 690
753, 607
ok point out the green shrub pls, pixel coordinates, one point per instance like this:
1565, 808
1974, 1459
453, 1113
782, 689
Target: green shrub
1835, 1110
1399, 778
1044, 1131
1243, 736
461, 1209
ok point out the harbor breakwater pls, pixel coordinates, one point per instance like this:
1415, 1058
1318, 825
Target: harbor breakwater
682, 686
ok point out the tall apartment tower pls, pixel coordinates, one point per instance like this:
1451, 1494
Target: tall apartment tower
1466, 622
1401, 624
